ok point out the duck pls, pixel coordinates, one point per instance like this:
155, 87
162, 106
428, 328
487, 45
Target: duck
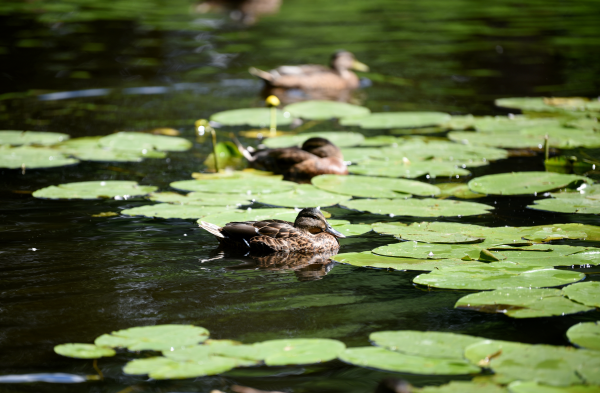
316, 77
317, 156
309, 233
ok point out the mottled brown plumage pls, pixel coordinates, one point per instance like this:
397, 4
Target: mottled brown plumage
310, 233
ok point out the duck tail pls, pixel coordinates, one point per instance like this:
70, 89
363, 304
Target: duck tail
212, 228
242, 149
261, 74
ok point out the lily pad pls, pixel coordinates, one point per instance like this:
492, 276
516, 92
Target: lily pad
521, 303
338, 138
15, 138
168, 210
585, 334
383, 359
457, 190
299, 351
89, 149
497, 275
157, 338
202, 353
139, 141
353, 229
373, 187
381, 140
418, 207
544, 104
254, 117
415, 232
368, 259
323, 110
117, 189
519, 183
464, 387
508, 140
201, 198
357, 154
455, 153
408, 169
303, 195
535, 387
235, 215
514, 124
413, 249
581, 205
430, 344
398, 120
246, 185
83, 351
33, 158
587, 293
164, 368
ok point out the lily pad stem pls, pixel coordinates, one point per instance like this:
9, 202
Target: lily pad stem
214, 146
273, 128
95, 364
546, 146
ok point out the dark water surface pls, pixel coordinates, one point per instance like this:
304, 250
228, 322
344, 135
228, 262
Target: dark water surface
87, 68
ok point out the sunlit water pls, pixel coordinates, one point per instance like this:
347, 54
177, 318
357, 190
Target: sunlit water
69, 277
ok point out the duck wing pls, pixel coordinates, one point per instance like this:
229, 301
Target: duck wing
276, 229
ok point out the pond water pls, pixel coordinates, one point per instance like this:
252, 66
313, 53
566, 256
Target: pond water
92, 68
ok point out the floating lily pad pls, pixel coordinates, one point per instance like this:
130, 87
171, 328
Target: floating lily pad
587, 293
323, 110
418, 207
228, 174
423, 234
454, 153
398, 120
254, 117
368, 259
236, 215
168, 210
89, 149
201, 198
246, 185
83, 351
585, 334
117, 189
582, 205
535, 387
157, 338
521, 303
413, 249
202, 353
565, 138
364, 186
430, 344
409, 169
164, 368
519, 183
33, 158
353, 229
464, 387
139, 141
299, 351
303, 195
382, 140
585, 123
508, 140
514, 124
357, 154
15, 138
383, 359
543, 104
338, 138
457, 190
497, 275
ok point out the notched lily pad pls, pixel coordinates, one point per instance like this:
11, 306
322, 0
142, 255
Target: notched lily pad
117, 189
398, 120
407, 169
368, 259
83, 351
32, 158
303, 195
430, 344
338, 138
201, 199
139, 141
157, 338
299, 351
444, 234
427, 207
164, 368
168, 210
373, 187
323, 110
520, 183
254, 117
582, 205
15, 138
586, 335
250, 185
587, 293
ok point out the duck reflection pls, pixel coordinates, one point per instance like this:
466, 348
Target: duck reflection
245, 11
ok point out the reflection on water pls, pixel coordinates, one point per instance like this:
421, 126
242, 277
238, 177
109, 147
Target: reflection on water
245, 11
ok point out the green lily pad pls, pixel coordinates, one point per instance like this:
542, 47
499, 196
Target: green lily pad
383, 359
418, 207
508, 140
139, 141
585, 334
83, 351
15, 138
368, 259
299, 351
514, 124
398, 120
413, 249
236, 215
497, 275
89, 149
33, 158
464, 387
157, 338
445, 151
535, 387
245, 185
364, 186
323, 110
201, 198
543, 104
423, 234
381, 140
582, 205
587, 293
519, 183
585, 124
164, 368
521, 303
117, 189
168, 210
303, 195
353, 229
457, 190
409, 170
338, 138
201, 353
430, 344
357, 154
255, 117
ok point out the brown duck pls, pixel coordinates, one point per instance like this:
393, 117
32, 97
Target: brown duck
310, 233
315, 77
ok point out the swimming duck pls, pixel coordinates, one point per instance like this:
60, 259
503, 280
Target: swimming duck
316, 77
317, 156
309, 233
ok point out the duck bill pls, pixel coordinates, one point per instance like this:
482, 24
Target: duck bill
358, 66
333, 232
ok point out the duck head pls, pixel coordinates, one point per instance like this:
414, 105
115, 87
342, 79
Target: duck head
312, 220
322, 147
343, 60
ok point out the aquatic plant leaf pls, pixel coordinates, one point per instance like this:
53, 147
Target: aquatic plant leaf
514, 124
303, 195
431, 344
398, 120
409, 169
157, 338
139, 141
497, 275
422, 234
250, 185
241, 354
445, 151
383, 359
234, 215
201, 198
15, 138
536, 387
582, 205
457, 190
428, 207
543, 104
254, 117
583, 191
228, 174
413, 249
228, 156
89, 149
464, 387
164, 368
508, 140
99, 189
374, 187
32, 158
587, 293
381, 140
352, 229
338, 138
586, 335
357, 154
368, 259
585, 124
323, 110
519, 183
299, 351
168, 210
83, 351
521, 303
